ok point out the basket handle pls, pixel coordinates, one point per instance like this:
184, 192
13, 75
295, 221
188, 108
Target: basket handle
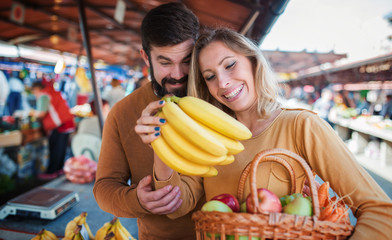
278, 151
245, 173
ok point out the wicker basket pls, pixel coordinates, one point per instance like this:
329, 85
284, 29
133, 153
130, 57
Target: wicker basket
262, 225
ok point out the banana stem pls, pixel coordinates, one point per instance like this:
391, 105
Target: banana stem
175, 99
167, 98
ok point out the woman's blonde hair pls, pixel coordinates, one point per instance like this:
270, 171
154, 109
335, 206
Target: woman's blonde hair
265, 82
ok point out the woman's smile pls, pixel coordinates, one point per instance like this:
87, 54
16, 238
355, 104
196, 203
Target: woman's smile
233, 93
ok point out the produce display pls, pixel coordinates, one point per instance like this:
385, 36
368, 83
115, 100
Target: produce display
197, 136
80, 169
45, 235
72, 230
112, 230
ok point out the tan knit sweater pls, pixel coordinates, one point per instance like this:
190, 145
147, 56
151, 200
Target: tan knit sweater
124, 156
304, 133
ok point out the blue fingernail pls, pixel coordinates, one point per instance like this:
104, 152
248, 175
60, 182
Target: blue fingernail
157, 134
162, 120
157, 128
161, 102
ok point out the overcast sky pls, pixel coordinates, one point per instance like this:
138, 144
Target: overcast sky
355, 27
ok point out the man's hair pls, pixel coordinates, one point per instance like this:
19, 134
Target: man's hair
39, 85
92, 105
168, 24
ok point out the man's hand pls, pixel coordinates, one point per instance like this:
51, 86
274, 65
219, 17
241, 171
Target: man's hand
148, 125
162, 201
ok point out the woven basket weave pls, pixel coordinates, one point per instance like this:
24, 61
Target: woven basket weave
263, 225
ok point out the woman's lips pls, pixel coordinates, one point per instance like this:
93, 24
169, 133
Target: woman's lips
234, 92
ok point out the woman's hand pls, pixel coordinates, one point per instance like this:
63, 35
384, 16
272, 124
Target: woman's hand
148, 125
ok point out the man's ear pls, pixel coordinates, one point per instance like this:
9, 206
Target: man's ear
145, 57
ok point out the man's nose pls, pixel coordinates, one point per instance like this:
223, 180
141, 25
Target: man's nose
179, 72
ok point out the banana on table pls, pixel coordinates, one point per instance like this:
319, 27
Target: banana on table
197, 136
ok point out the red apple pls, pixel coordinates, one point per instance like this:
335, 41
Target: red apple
229, 200
267, 200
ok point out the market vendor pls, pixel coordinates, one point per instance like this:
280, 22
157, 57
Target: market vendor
58, 123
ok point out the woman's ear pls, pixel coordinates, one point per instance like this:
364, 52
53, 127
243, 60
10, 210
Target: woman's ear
145, 57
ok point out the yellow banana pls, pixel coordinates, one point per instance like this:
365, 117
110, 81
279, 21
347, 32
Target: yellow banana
51, 235
229, 159
122, 228
119, 233
105, 229
176, 162
78, 220
188, 128
75, 234
187, 149
233, 146
110, 236
213, 117
45, 235
211, 173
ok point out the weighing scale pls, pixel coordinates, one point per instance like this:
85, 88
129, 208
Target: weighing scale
41, 202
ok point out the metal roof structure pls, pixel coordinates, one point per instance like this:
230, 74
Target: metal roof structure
57, 24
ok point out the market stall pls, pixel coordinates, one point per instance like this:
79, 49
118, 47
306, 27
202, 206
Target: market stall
24, 228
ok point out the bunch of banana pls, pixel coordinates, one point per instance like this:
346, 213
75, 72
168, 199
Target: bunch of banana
197, 136
45, 235
76, 234
74, 224
113, 230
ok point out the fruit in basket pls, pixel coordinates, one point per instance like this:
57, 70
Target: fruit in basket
228, 199
267, 202
284, 200
300, 206
243, 207
45, 234
73, 225
215, 205
113, 230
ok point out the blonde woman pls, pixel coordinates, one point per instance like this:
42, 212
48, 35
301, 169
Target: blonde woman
229, 71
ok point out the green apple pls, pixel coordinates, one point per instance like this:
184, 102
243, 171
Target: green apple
232, 237
299, 206
215, 205
243, 207
288, 198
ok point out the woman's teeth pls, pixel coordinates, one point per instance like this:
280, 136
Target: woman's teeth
234, 92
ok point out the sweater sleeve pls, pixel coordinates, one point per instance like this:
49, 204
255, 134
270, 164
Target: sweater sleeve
191, 188
329, 157
111, 189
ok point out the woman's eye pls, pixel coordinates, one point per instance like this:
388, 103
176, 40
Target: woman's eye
231, 65
209, 77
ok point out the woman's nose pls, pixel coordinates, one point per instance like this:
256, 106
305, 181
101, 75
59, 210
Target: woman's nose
223, 80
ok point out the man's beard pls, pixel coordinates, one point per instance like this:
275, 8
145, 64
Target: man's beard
161, 91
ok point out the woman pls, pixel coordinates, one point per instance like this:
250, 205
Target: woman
230, 72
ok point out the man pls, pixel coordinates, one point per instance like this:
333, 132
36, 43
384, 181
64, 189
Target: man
168, 35
386, 110
115, 94
58, 123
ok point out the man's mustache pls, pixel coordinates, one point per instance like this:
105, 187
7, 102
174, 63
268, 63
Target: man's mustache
174, 81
